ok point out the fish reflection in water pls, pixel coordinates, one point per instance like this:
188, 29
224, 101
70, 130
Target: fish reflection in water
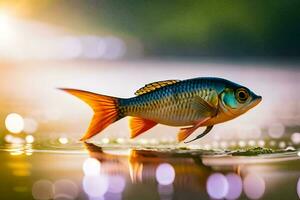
173, 172
184, 176
152, 167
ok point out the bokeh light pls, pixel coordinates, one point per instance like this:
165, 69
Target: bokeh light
276, 130
105, 140
65, 189
242, 143
63, 140
261, 143
298, 187
117, 184
217, 186
235, 186
14, 123
272, 143
282, 144
95, 186
42, 189
254, 186
8, 138
17, 140
295, 138
91, 166
165, 174
29, 139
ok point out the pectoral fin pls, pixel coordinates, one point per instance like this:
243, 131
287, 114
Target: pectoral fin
206, 108
139, 125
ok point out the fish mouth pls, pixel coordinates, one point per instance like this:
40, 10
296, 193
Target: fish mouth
256, 100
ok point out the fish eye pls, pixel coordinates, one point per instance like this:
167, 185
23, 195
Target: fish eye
242, 95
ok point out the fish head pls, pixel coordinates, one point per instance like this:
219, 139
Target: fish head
236, 100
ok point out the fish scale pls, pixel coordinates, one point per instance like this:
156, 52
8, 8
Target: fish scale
169, 105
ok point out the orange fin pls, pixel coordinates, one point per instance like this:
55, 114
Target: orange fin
105, 108
186, 132
139, 125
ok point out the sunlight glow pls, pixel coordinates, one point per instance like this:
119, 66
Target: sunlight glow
14, 123
6, 26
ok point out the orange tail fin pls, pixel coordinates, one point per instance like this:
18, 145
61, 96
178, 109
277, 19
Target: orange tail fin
105, 108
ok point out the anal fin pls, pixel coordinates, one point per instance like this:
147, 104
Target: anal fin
184, 133
139, 125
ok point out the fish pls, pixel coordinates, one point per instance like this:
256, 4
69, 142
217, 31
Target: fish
188, 104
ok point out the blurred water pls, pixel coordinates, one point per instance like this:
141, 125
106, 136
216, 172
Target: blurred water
88, 171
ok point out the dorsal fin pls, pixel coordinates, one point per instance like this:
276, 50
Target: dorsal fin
153, 86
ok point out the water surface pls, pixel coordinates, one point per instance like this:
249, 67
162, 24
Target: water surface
129, 171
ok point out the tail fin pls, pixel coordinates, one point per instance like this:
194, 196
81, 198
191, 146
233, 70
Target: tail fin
105, 110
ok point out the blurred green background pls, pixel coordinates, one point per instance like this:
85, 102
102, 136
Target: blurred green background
183, 28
